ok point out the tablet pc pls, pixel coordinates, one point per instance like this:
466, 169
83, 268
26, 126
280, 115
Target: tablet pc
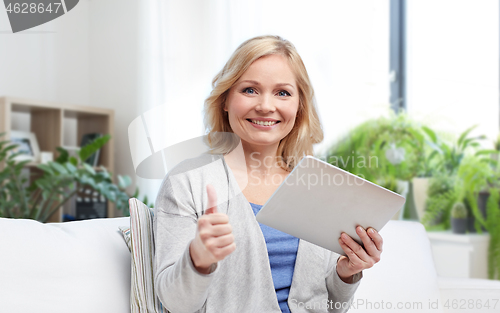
318, 201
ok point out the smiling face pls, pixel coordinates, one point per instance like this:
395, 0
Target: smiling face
263, 103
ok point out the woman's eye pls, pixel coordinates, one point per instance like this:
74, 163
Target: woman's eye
249, 90
283, 93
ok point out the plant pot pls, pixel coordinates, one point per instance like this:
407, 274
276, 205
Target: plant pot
482, 199
458, 225
410, 212
420, 186
402, 189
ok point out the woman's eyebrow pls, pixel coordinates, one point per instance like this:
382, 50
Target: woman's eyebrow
258, 84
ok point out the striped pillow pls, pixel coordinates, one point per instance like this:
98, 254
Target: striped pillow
125, 230
140, 236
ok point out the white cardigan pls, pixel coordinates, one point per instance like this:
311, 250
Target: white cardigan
242, 282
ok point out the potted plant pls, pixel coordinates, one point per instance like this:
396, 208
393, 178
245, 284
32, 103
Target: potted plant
477, 178
442, 194
39, 196
459, 218
477, 174
446, 158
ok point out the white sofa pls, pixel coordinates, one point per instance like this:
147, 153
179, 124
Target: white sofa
85, 267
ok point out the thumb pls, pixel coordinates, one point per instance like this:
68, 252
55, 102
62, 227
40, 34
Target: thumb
212, 200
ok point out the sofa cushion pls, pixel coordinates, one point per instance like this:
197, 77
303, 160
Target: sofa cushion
75, 267
405, 278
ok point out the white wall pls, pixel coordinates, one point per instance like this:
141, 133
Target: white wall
49, 62
114, 68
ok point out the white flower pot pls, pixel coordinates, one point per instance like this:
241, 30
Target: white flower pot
403, 187
420, 187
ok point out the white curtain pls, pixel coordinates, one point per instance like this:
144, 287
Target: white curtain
344, 45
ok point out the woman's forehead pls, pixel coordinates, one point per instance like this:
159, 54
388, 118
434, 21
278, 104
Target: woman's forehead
271, 69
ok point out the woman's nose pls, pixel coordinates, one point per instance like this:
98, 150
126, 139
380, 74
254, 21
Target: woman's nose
266, 104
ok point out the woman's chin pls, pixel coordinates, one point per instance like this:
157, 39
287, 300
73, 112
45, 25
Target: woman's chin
263, 141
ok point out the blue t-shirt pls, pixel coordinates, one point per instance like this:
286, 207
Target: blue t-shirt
282, 249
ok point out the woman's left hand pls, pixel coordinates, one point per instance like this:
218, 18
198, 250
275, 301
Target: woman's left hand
358, 258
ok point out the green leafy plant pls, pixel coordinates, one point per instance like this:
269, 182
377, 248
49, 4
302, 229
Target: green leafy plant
441, 197
381, 150
493, 216
449, 155
38, 195
476, 174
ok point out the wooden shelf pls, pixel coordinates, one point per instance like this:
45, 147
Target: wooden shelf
47, 122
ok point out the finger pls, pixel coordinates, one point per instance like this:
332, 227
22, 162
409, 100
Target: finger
221, 230
370, 246
377, 239
356, 248
222, 241
353, 257
221, 253
216, 218
212, 200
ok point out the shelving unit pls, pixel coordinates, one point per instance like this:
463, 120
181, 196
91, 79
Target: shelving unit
47, 120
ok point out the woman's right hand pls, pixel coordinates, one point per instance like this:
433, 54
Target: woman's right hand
214, 238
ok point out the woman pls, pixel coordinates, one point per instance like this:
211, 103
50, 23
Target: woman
211, 254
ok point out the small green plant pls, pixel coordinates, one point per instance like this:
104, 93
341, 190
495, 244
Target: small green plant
38, 196
441, 197
450, 155
459, 211
448, 158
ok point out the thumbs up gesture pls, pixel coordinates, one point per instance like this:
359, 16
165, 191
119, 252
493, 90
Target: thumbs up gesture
214, 238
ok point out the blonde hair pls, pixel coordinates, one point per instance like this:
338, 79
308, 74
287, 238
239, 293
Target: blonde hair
307, 128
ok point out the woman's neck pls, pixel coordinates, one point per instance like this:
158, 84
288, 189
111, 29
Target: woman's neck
259, 160
251, 167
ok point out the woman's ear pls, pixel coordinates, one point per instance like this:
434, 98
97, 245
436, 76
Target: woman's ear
224, 101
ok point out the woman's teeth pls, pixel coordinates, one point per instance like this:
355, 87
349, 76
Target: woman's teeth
267, 123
